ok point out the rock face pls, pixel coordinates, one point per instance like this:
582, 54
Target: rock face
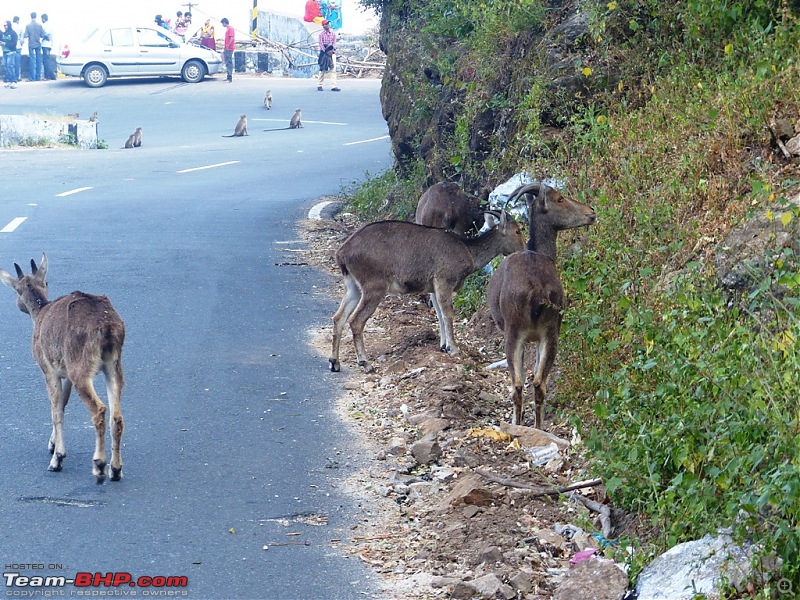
413, 84
743, 259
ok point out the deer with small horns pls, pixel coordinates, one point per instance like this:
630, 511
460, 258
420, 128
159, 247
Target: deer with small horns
526, 297
396, 257
74, 338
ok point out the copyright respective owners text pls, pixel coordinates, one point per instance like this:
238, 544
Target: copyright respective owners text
51, 580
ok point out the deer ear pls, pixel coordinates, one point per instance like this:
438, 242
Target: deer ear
20, 274
542, 198
42, 270
6, 278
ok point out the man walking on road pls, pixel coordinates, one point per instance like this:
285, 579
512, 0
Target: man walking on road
34, 34
230, 44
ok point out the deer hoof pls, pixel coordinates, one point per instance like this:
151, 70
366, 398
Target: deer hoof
365, 366
335, 367
57, 463
99, 470
116, 474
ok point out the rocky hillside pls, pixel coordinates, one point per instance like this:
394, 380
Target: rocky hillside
679, 123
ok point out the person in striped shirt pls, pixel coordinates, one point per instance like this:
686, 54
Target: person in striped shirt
327, 38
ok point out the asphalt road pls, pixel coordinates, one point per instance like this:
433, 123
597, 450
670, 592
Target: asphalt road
231, 442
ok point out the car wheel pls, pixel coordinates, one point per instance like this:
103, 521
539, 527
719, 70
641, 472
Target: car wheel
193, 71
95, 76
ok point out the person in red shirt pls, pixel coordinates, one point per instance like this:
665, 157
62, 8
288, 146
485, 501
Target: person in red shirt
227, 52
313, 12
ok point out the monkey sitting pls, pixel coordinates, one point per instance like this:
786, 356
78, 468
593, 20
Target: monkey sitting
294, 122
240, 129
134, 139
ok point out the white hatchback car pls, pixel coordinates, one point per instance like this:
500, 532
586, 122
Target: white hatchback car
135, 51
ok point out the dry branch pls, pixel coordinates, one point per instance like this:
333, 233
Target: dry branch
539, 491
603, 513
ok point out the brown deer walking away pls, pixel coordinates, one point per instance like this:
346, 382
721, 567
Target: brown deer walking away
526, 297
396, 257
74, 338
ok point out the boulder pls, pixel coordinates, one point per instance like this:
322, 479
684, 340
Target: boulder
593, 579
697, 567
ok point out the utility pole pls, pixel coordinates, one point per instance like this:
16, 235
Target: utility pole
254, 24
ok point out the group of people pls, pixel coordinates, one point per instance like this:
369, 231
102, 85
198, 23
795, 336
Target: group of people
317, 12
40, 45
183, 20
208, 39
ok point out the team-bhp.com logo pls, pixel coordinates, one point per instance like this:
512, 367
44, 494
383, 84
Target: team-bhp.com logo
87, 584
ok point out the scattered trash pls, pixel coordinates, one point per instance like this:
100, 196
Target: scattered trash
568, 531
496, 365
583, 555
492, 434
541, 455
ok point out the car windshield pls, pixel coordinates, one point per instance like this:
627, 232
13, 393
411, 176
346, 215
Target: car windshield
89, 34
152, 38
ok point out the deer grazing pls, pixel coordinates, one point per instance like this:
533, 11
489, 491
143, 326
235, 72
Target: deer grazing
445, 206
75, 337
396, 257
526, 298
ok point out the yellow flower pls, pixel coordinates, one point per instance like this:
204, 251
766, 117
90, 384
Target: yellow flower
586, 71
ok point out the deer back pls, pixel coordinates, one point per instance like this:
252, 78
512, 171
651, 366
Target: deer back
404, 256
446, 206
78, 331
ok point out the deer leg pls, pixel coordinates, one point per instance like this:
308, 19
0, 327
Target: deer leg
352, 297
85, 389
545, 358
515, 355
440, 321
442, 299
114, 385
370, 300
58, 389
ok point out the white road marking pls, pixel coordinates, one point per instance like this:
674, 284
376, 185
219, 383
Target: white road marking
75, 191
13, 225
377, 139
315, 214
304, 121
225, 164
